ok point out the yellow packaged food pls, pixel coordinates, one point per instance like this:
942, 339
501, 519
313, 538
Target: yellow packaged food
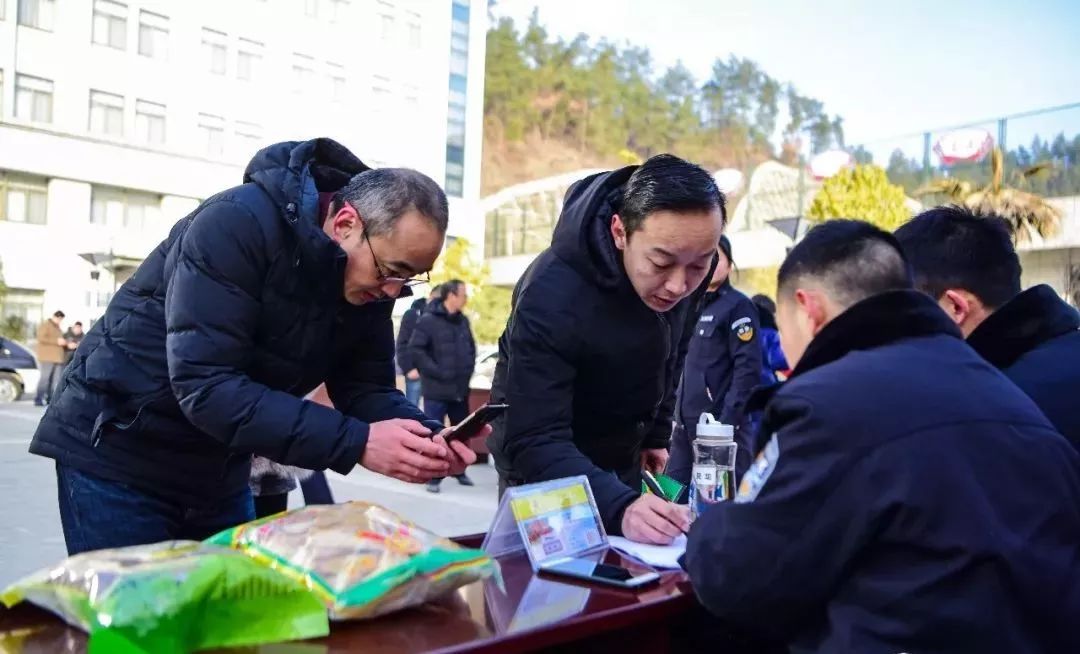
361, 559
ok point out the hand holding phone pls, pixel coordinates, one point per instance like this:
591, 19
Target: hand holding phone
472, 425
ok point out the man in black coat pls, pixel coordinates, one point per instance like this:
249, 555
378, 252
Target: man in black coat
592, 351
723, 366
908, 497
203, 357
969, 265
444, 351
404, 357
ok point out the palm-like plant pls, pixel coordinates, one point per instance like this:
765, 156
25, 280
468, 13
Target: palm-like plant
1027, 213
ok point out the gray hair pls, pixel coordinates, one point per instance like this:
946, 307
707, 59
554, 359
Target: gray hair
382, 195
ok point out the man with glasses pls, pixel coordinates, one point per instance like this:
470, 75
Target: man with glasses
203, 357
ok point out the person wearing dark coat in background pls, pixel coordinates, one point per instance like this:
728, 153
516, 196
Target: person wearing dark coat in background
591, 354
404, 356
723, 366
968, 264
909, 497
773, 361
442, 348
204, 355
73, 337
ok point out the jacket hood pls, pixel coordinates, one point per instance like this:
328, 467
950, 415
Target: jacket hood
582, 237
293, 174
418, 304
1024, 322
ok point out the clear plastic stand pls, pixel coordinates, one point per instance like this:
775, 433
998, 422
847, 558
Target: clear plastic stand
503, 537
551, 520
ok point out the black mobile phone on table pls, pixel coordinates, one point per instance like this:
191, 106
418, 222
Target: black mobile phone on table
472, 425
600, 573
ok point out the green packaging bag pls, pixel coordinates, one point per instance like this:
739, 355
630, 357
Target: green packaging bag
176, 596
361, 559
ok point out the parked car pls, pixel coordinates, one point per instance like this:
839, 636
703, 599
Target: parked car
18, 370
486, 358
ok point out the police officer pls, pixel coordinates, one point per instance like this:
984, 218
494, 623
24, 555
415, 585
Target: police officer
723, 366
967, 263
909, 498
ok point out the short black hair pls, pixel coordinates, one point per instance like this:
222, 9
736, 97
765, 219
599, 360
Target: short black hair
953, 247
852, 259
78, 323
668, 183
58, 314
452, 286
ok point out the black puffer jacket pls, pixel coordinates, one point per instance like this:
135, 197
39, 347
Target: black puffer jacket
443, 350
1035, 340
405, 332
203, 356
589, 370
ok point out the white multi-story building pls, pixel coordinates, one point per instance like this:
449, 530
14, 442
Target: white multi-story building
118, 117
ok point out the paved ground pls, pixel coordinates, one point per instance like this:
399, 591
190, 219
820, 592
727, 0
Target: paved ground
31, 538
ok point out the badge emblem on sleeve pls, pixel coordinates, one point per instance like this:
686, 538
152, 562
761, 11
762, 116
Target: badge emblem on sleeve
760, 471
744, 329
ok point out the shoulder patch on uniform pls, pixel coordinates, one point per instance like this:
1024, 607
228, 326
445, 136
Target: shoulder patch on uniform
760, 471
744, 329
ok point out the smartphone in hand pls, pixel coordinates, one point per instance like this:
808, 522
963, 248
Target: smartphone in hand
472, 425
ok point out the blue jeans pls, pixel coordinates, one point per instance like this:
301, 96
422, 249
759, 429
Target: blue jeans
412, 391
47, 383
97, 514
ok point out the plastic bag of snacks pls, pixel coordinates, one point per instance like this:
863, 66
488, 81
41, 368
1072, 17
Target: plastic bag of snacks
360, 559
176, 596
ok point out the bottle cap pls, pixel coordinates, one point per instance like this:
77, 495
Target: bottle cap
711, 429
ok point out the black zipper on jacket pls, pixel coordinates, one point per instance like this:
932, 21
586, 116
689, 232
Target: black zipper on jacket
666, 329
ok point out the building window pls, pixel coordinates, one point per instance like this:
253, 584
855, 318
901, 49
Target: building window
455, 114
153, 35
110, 24
311, 8
215, 50
303, 73
336, 77
150, 122
33, 99
212, 130
249, 137
386, 31
3, 9
338, 9
37, 13
106, 114
414, 30
23, 199
248, 60
27, 305
121, 208
380, 94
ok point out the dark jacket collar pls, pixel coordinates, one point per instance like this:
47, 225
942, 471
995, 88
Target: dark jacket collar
293, 174
874, 322
1024, 322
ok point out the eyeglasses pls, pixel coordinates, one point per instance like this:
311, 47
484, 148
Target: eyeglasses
385, 277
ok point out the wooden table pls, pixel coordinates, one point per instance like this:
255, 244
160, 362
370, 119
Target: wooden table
535, 614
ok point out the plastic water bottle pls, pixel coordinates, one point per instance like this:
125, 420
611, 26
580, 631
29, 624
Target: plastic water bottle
714, 465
